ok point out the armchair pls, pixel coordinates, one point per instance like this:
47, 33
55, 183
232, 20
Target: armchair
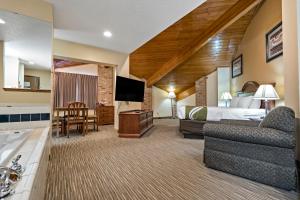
263, 153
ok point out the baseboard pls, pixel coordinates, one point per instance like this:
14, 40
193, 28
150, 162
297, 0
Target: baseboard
169, 117
193, 136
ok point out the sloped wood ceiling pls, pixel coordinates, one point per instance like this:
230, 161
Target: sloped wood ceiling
218, 52
166, 60
61, 63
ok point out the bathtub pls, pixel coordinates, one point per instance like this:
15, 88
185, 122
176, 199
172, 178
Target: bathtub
10, 142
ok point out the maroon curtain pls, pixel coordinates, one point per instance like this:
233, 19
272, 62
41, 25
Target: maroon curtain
65, 89
87, 90
75, 87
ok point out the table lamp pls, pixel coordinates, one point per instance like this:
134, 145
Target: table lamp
227, 97
266, 92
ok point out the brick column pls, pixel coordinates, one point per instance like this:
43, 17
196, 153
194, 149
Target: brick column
201, 92
105, 85
147, 104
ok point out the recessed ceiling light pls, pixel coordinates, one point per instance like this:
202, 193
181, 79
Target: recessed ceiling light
2, 21
107, 34
31, 62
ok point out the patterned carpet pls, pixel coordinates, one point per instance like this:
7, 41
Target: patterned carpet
159, 166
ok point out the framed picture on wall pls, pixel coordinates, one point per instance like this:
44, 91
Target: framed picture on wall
274, 44
237, 66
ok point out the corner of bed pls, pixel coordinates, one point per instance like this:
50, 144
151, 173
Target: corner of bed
193, 129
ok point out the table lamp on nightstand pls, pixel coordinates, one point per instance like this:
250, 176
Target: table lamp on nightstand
227, 97
266, 92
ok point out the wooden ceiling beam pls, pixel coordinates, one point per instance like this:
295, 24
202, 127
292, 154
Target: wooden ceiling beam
186, 93
233, 14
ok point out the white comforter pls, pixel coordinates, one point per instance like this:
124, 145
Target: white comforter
218, 113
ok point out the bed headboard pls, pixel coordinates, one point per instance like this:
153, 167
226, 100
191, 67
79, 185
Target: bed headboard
251, 87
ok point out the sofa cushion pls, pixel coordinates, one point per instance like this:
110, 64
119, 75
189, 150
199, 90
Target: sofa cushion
255, 135
265, 153
280, 118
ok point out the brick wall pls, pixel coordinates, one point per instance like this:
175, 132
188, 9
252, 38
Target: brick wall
147, 104
105, 85
200, 85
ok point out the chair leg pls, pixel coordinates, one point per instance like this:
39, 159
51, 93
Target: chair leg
85, 125
68, 130
63, 128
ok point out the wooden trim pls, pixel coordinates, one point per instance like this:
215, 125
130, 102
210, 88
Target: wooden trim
190, 91
84, 61
228, 18
26, 90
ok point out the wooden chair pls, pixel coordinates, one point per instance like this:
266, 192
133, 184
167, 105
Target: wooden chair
58, 120
92, 119
77, 115
98, 114
60, 125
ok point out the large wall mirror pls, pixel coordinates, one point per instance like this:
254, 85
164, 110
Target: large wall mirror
27, 52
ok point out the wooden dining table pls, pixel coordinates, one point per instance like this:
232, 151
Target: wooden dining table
59, 110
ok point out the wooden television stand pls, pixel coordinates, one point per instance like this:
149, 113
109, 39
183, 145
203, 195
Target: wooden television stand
134, 123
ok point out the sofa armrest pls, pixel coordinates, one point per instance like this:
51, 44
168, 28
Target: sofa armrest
254, 135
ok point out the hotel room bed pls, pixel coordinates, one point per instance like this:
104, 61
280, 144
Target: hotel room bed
243, 108
194, 128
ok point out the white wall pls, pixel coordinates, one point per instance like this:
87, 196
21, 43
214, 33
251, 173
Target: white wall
88, 69
290, 55
123, 70
188, 101
224, 79
161, 104
212, 89
21, 75
11, 72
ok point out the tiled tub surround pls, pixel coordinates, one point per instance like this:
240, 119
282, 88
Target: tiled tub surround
21, 117
10, 141
24, 117
35, 152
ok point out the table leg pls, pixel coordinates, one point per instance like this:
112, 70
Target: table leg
57, 123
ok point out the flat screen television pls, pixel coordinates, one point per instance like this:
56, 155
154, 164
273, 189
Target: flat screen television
129, 89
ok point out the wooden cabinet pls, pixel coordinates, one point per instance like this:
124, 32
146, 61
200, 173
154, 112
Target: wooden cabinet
105, 115
134, 124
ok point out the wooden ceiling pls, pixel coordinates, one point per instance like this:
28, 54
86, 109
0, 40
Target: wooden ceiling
218, 52
196, 45
62, 63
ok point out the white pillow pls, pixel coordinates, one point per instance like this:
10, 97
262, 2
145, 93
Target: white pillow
244, 102
234, 102
255, 104
181, 112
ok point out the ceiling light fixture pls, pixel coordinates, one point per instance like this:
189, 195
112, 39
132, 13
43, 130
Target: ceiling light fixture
31, 62
171, 88
2, 21
107, 34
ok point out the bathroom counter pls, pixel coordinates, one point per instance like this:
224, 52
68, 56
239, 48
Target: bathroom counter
35, 153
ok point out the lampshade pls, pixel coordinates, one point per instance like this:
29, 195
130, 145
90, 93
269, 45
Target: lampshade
266, 92
172, 95
226, 96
